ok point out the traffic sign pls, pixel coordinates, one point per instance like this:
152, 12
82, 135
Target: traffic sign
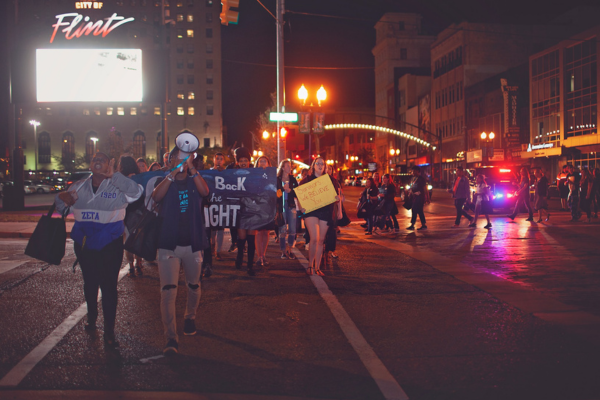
285, 117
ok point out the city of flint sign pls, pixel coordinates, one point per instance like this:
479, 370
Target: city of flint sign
242, 198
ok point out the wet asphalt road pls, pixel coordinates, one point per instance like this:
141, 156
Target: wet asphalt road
450, 313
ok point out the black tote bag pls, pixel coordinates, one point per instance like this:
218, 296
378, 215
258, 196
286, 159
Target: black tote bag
47, 243
143, 226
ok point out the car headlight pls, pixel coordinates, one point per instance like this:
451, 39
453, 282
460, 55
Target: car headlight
407, 187
429, 187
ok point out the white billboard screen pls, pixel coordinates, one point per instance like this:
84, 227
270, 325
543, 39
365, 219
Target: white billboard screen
93, 75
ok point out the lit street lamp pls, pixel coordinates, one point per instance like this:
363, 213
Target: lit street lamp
488, 145
305, 117
35, 125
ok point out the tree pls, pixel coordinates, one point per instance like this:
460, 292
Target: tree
366, 155
71, 164
267, 146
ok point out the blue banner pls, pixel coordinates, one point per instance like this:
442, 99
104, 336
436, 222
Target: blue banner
242, 198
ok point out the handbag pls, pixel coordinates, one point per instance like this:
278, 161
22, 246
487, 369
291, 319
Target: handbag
143, 226
344, 221
408, 202
279, 219
47, 243
379, 209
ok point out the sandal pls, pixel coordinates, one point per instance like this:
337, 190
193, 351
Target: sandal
309, 271
319, 272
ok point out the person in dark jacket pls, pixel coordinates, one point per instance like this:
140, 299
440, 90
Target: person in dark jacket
368, 200
541, 195
387, 194
420, 196
522, 195
181, 242
129, 168
286, 204
98, 204
461, 192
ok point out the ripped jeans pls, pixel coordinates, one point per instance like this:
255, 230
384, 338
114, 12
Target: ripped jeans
169, 264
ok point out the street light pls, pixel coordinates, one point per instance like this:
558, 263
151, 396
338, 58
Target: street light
303, 94
266, 135
321, 95
35, 125
305, 121
488, 147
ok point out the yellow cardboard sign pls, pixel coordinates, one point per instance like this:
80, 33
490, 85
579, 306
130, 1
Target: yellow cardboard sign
316, 193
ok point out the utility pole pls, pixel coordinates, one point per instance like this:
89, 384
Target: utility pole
280, 79
167, 55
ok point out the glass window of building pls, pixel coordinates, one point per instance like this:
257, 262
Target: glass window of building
209, 110
209, 95
44, 148
209, 17
139, 144
96, 111
68, 146
48, 111
180, 111
581, 98
167, 13
191, 95
403, 54
209, 48
190, 48
190, 18
179, 3
133, 111
179, 18
180, 94
157, 111
190, 63
180, 48
190, 110
179, 64
144, 111
209, 79
120, 110
545, 99
180, 79
190, 33
86, 111
209, 32
190, 79
109, 111
209, 64
179, 33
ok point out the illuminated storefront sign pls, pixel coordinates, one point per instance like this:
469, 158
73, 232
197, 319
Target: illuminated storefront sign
101, 27
96, 5
531, 147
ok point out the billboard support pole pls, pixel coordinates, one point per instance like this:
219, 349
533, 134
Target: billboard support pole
164, 121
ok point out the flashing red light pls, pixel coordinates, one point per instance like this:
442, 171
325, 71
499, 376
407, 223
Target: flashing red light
297, 157
504, 170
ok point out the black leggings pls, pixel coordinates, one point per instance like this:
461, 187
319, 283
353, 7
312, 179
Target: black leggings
240, 250
100, 268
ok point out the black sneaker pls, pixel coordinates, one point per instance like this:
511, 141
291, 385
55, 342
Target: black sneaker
411, 228
232, 248
207, 271
291, 256
251, 272
110, 341
171, 348
189, 327
530, 219
284, 256
512, 217
488, 226
423, 227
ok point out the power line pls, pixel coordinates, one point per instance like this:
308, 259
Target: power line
274, 17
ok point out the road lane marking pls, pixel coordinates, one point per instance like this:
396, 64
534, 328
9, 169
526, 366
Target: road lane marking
6, 266
24, 367
389, 387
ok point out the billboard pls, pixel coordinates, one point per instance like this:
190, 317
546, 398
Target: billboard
89, 75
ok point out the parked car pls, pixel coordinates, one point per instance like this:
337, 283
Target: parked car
30, 187
59, 183
358, 181
27, 189
501, 181
77, 176
349, 181
42, 187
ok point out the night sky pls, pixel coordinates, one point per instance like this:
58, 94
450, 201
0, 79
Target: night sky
314, 41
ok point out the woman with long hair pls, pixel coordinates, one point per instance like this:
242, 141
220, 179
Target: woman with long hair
286, 204
332, 232
482, 201
317, 221
262, 235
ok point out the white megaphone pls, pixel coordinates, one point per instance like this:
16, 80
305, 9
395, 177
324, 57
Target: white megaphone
187, 143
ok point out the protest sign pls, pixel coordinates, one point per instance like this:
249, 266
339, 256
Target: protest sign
242, 198
316, 193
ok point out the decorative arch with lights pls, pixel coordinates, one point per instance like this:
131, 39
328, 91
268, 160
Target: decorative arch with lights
380, 129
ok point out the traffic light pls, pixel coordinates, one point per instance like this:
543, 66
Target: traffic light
282, 132
227, 15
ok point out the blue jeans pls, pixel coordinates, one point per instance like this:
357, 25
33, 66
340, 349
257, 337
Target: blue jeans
289, 214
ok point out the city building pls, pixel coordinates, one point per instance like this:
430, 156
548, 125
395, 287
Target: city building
402, 47
564, 104
179, 41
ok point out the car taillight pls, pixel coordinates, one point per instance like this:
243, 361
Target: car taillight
69, 182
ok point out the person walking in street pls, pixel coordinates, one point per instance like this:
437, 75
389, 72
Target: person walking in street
317, 221
98, 204
573, 182
368, 200
217, 233
387, 195
563, 188
262, 235
286, 204
377, 179
332, 232
522, 195
420, 196
585, 197
181, 241
461, 192
482, 201
541, 195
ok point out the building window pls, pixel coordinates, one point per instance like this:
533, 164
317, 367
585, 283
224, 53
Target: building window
209, 64
403, 54
139, 144
120, 110
180, 79
86, 111
209, 48
180, 111
209, 110
190, 79
179, 18
144, 111
180, 48
157, 111
190, 63
190, 33
190, 48
97, 111
190, 110
90, 146
179, 64
68, 147
206, 142
109, 111
209, 79
44, 149
209, 95
191, 95
209, 32
133, 111
48, 111
190, 3
209, 17
401, 98
179, 33
180, 3
190, 18
180, 94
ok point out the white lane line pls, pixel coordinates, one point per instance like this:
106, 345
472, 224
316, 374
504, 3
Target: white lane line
24, 367
6, 266
389, 387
